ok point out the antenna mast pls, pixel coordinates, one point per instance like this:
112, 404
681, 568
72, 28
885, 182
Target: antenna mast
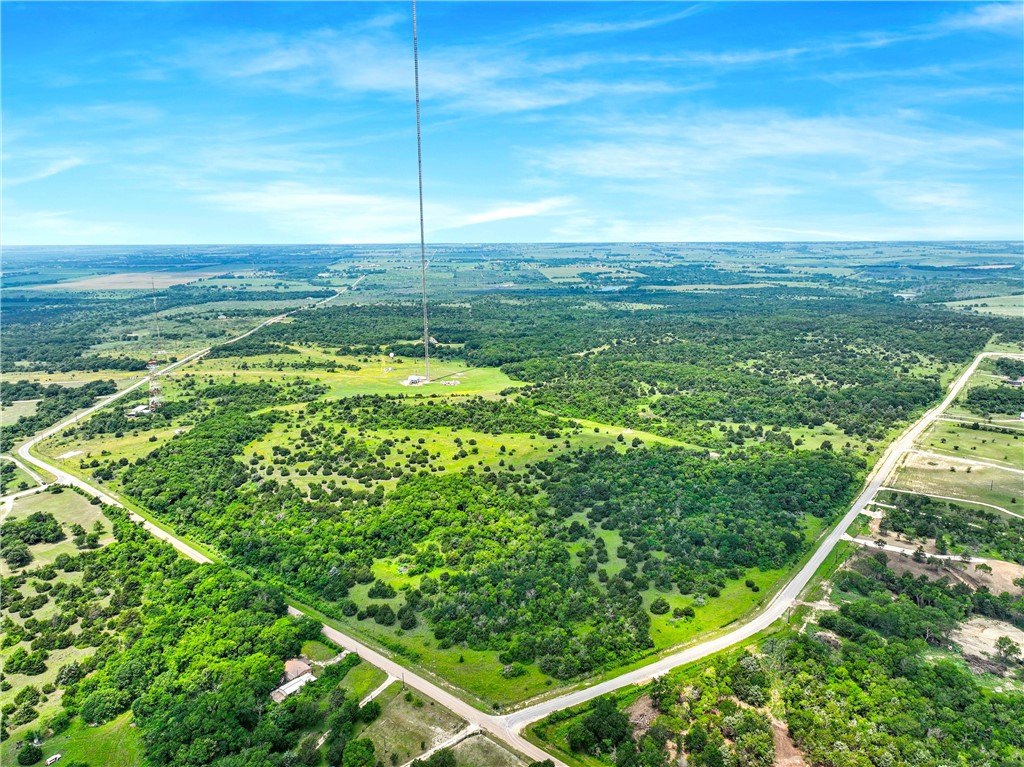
156, 322
153, 366
419, 164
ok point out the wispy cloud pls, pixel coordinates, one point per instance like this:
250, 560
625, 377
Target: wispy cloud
507, 211
51, 168
618, 26
1002, 17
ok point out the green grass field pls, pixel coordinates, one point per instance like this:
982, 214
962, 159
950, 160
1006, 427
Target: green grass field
364, 679
950, 439
408, 725
115, 744
318, 651
19, 481
68, 508
11, 413
1006, 306
932, 475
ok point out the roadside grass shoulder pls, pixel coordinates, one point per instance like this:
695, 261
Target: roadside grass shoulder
409, 724
363, 679
318, 651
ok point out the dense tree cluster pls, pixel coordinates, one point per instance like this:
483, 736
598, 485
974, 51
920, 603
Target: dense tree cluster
56, 402
879, 700
707, 516
38, 527
956, 528
985, 400
873, 698
473, 413
192, 650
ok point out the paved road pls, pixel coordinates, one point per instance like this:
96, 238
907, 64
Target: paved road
64, 478
35, 477
775, 608
508, 727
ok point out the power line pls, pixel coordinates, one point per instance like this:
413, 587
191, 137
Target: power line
419, 164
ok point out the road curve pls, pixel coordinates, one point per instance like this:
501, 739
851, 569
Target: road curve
64, 478
508, 728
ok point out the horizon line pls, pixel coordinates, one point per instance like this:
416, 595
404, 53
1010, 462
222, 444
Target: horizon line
504, 242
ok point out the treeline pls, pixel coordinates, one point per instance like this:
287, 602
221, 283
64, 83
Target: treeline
879, 696
769, 359
706, 516
54, 331
191, 650
985, 400
473, 413
955, 528
56, 402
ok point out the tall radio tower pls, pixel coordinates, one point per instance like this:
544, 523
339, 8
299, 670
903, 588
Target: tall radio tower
419, 164
154, 366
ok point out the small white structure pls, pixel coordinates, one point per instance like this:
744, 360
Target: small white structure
296, 676
138, 410
415, 380
288, 688
54, 759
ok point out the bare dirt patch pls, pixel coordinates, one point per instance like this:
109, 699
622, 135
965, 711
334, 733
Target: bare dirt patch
132, 280
786, 752
1001, 579
978, 636
641, 715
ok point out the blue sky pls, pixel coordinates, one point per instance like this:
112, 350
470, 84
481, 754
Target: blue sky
294, 122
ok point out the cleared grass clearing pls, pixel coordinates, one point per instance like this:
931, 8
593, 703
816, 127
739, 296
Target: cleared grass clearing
734, 601
482, 751
131, 445
951, 439
68, 508
11, 413
371, 378
73, 378
933, 475
1005, 306
409, 724
363, 679
315, 650
131, 280
115, 744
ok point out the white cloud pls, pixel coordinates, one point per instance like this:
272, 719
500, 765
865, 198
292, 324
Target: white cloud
514, 210
51, 168
1000, 17
579, 28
